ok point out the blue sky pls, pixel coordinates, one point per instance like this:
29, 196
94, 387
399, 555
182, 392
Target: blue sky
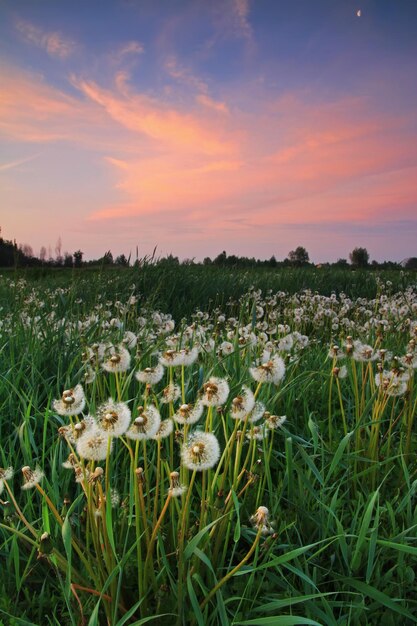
252, 126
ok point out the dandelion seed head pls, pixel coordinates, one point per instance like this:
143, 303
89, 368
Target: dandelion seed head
242, 404
260, 520
188, 413
165, 429
175, 488
146, 424
31, 477
171, 393
215, 391
202, 451
116, 359
5, 474
113, 417
72, 402
150, 375
273, 371
93, 444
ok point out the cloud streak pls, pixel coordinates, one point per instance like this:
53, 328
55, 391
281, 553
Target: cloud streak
13, 164
53, 42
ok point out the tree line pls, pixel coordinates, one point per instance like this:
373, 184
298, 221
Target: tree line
22, 255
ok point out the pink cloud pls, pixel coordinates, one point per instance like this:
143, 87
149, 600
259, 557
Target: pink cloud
54, 43
157, 121
184, 172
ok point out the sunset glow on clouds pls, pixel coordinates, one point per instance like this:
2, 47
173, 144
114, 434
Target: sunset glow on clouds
247, 126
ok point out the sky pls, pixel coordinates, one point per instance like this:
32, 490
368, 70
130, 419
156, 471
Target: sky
197, 126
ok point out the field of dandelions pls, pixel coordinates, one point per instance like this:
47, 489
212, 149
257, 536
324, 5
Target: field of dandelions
196, 449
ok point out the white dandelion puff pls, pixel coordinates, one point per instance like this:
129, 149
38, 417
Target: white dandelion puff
113, 417
31, 477
188, 413
171, 358
189, 356
257, 412
175, 488
116, 359
273, 371
5, 474
146, 425
274, 421
201, 451
171, 393
243, 404
93, 444
215, 392
260, 520
150, 375
165, 429
72, 402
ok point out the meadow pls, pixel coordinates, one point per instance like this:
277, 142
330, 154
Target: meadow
206, 446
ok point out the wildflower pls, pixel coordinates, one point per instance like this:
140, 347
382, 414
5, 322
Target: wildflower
257, 412
146, 425
215, 392
71, 462
5, 474
274, 421
340, 372
188, 413
96, 475
175, 488
189, 356
93, 444
257, 433
129, 340
171, 393
165, 429
243, 404
286, 343
31, 477
72, 402
117, 359
113, 417
171, 358
226, 348
150, 375
336, 353
260, 520
393, 383
271, 372
363, 353
201, 452
89, 375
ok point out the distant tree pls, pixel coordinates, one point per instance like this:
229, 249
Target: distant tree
78, 258
26, 249
58, 252
272, 261
411, 263
299, 256
359, 257
341, 263
68, 260
42, 254
122, 261
207, 261
220, 258
107, 258
170, 259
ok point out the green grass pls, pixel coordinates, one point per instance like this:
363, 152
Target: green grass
339, 478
